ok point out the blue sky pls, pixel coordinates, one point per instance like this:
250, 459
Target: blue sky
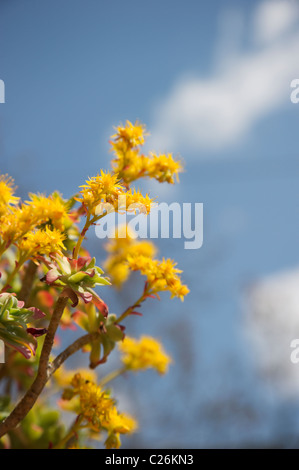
74, 70
211, 80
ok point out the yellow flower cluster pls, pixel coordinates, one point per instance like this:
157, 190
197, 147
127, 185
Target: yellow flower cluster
130, 164
51, 210
163, 168
120, 247
98, 409
130, 135
129, 254
7, 190
106, 188
41, 242
161, 275
103, 188
144, 354
95, 404
63, 376
15, 223
118, 423
21, 224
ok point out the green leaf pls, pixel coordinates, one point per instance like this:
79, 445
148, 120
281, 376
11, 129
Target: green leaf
77, 277
17, 338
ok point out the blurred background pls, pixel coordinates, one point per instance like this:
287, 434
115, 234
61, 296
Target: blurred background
211, 80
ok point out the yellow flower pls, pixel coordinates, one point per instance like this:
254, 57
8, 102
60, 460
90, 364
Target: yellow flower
118, 423
137, 201
63, 376
143, 354
130, 134
161, 275
7, 190
129, 254
130, 165
117, 270
147, 266
9, 226
124, 237
95, 404
178, 289
97, 408
16, 223
120, 247
41, 242
167, 269
164, 168
103, 188
51, 209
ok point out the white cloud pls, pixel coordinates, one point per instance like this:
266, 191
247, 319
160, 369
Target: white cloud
217, 112
272, 322
274, 18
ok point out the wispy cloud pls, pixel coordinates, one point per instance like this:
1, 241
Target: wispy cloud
217, 112
273, 19
272, 323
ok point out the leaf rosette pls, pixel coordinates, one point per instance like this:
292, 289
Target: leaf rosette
77, 276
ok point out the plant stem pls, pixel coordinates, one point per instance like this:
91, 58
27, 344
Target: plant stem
129, 310
10, 277
74, 429
3, 248
74, 347
28, 279
82, 236
112, 375
88, 223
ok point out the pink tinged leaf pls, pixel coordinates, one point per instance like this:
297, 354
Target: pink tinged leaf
101, 305
52, 276
26, 350
136, 313
73, 264
91, 274
86, 296
37, 313
20, 303
68, 292
36, 332
83, 261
